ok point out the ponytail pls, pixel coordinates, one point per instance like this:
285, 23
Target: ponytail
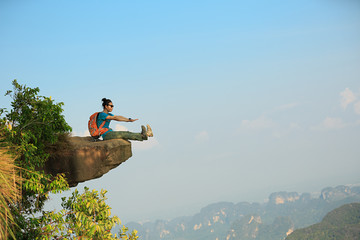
105, 102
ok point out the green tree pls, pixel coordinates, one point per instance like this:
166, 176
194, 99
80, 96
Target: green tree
84, 216
35, 123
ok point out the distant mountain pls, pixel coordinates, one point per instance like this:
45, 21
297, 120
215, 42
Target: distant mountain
276, 219
341, 223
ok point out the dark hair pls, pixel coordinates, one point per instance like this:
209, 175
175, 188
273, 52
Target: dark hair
105, 102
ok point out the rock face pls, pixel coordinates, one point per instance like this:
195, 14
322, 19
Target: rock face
82, 159
283, 197
339, 192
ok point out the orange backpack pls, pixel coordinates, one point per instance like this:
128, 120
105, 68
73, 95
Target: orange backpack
94, 130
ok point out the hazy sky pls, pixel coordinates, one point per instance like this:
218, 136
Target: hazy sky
245, 98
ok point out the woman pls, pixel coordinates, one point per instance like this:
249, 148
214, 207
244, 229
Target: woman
107, 116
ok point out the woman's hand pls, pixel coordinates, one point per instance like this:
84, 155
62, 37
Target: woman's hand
132, 120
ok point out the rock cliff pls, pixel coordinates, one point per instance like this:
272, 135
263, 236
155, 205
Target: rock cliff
82, 159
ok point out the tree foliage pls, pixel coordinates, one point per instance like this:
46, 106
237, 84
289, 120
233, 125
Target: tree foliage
33, 124
84, 216
341, 223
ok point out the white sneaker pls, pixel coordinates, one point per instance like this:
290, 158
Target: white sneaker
149, 132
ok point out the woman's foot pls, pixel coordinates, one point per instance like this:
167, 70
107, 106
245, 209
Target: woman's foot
149, 132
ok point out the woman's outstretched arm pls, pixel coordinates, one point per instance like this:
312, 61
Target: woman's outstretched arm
121, 118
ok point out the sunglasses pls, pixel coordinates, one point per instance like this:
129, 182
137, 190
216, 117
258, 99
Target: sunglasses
111, 106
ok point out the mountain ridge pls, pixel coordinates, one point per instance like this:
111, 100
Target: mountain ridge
279, 217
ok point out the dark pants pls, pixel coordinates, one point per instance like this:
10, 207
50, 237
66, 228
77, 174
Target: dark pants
124, 135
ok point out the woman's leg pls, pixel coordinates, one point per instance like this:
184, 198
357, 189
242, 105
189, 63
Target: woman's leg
125, 135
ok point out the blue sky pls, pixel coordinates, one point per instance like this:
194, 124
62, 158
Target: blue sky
245, 98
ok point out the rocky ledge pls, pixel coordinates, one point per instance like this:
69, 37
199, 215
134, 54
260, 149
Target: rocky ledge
82, 159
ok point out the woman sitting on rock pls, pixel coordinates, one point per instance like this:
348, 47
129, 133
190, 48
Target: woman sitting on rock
107, 116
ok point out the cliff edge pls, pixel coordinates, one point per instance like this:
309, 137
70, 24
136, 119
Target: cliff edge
82, 159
